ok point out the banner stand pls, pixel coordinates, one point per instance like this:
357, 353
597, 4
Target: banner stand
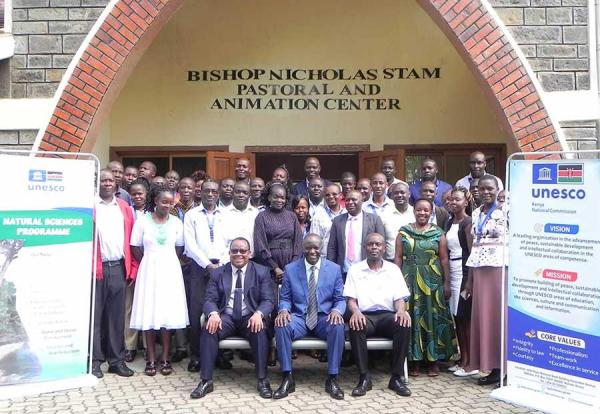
551, 336
36, 388
47, 271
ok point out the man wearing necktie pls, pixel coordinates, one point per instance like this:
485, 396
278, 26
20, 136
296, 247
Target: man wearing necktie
239, 297
349, 231
311, 302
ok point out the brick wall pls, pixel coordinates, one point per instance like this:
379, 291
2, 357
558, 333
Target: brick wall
553, 34
47, 33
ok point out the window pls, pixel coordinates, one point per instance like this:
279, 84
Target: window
452, 160
184, 162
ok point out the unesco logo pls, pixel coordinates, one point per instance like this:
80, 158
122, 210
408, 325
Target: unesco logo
558, 174
44, 180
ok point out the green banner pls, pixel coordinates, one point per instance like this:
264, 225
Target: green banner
45, 227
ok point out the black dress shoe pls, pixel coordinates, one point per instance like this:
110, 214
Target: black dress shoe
179, 355
332, 388
288, 385
491, 379
264, 388
194, 365
130, 355
364, 385
97, 371
121, 370
399, 387
202, 389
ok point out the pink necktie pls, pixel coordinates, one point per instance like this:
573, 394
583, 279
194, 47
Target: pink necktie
350, 253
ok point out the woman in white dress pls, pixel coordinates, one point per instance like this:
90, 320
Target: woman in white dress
159, 300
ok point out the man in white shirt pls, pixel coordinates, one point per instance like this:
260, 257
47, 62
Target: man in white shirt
239, 221
321, 221
316, 192
379, 202
226, 193
477, 164
114, 267
376, 294
206, 245
388, 168
400, 216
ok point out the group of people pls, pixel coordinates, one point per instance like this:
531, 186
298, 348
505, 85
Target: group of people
420, 264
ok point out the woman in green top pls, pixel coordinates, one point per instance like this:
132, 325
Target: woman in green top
422, 255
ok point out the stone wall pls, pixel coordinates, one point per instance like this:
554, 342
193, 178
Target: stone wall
22, 140
47, 34
553, 34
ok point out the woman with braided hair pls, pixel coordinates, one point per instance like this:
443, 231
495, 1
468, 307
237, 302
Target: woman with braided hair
159, 302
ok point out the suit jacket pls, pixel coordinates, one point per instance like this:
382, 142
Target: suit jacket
336, 249
293, 295
441, 217
302, 188
258, 289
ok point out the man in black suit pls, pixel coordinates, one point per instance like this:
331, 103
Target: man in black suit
349, 232
239, 297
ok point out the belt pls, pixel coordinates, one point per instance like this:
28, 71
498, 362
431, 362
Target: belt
113, 263
229, 311
456, 258
280, 244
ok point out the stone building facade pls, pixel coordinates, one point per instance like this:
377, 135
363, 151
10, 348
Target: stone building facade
553, 37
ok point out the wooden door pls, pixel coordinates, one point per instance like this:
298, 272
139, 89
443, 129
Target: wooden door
221, 164
369, 163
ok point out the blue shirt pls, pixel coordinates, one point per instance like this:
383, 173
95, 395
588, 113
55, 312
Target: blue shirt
442, 187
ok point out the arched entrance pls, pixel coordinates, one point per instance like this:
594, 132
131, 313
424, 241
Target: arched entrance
128, 27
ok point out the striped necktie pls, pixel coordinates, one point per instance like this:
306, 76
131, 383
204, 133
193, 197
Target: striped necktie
311, 316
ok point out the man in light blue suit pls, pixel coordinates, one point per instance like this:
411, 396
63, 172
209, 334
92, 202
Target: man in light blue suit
311, 301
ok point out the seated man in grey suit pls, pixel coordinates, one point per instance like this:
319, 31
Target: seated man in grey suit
239, 296
349, 232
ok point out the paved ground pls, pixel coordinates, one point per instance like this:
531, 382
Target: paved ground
235, 393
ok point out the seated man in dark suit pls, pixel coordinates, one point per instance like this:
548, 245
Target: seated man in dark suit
239, 296
349, 232
311, 301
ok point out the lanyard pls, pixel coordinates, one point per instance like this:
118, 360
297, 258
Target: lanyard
483, 219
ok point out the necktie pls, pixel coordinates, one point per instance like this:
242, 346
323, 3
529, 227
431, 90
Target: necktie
311, 317
350, 253
237, 297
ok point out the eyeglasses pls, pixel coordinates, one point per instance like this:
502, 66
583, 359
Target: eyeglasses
238, 251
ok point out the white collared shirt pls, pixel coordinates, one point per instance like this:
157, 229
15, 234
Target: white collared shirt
196, 231
369, 206
321, 224
317, 270
375, 290
392, 221
466, 181
358, 229
313, 209
111, 229
234, 277
240, 223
